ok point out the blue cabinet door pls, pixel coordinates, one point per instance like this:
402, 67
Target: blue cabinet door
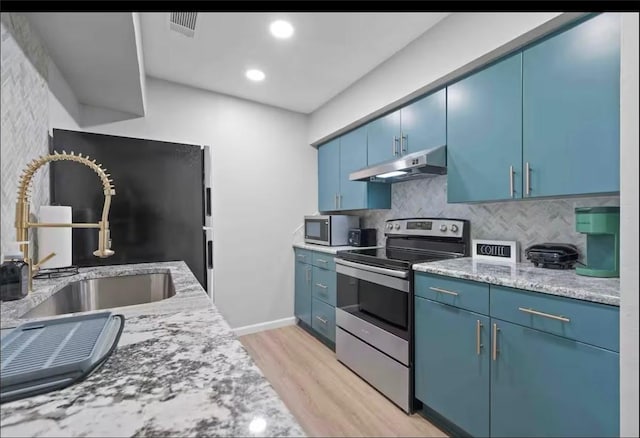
424, 123
329, 175
571, 110
302, 299
484, 134
383, 138
546, 385
353, 156
452, 364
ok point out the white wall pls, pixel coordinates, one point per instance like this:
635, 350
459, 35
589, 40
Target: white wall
264, 183
629, 227
456, 41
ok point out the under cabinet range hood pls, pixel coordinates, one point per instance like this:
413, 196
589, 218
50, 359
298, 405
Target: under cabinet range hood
420, 164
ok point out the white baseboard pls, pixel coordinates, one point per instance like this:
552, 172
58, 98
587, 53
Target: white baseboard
254, 328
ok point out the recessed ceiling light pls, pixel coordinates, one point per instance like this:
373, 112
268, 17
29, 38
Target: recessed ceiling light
255, 75
281, 29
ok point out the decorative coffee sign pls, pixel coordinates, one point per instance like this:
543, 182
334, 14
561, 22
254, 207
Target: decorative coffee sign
495, 250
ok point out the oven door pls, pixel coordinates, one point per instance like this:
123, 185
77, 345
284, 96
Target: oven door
317, 229
373, 327
376, 295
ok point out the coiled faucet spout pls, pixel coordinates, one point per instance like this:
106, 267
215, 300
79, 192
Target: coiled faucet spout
22, 207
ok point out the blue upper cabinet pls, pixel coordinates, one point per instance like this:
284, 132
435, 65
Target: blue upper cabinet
353, 156
336, 160
484, 134
415, 127
424, 123
329, 175
383, 136
571, 111
356, 195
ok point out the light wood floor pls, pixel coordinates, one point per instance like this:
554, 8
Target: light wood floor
326, 397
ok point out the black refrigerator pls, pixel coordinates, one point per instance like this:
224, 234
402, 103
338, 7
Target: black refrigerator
162, 207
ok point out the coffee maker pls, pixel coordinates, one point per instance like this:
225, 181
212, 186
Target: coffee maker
602, 227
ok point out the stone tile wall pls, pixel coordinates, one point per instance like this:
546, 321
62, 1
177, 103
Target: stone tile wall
24, 117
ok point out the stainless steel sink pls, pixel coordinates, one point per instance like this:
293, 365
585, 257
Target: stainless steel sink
105, 293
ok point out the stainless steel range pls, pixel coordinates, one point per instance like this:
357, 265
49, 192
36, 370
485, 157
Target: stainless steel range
374, 312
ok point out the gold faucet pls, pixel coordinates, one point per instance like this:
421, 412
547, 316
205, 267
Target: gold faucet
22, 209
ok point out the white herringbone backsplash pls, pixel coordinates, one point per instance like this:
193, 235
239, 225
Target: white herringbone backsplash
527, 222
24, 117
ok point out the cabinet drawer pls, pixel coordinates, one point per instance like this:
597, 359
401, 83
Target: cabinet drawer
303, 255
465, 294
323, 319
324, 285
584, 321
323, 260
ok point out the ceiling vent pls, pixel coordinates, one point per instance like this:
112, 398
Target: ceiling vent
183, 22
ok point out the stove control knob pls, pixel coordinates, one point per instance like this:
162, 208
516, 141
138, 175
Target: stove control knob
443, 228
389, 226
454, 228
397, 226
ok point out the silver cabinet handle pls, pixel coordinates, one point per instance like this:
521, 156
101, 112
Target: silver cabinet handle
494, 350
527, 179
444, 291
511, 172
478, 344
301, 256
404, 139
322, 261
340, 200
322, 320
335, 201
321, 285
308, 276
395, 145
546, 315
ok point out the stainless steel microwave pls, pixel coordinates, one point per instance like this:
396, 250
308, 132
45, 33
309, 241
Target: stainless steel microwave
330, 230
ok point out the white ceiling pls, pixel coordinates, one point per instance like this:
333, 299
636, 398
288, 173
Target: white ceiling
327, 53
96, 53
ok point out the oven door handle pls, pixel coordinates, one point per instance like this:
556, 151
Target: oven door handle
377, 270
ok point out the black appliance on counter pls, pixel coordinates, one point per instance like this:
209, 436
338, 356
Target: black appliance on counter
374, 311
14, 280
161, 209
362, 237
553, 255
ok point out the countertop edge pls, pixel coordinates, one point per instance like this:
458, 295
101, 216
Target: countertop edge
329, 249
566, 292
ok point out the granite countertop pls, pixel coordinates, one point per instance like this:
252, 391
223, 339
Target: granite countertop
561, 282
329, 249
178, 371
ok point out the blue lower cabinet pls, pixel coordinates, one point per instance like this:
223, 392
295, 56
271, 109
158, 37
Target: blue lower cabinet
315, 292
324, 319
590, 323
452, 360
545, 385
324, 285
323, 260
302, 301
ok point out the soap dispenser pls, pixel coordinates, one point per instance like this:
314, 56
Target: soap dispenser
14, 278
